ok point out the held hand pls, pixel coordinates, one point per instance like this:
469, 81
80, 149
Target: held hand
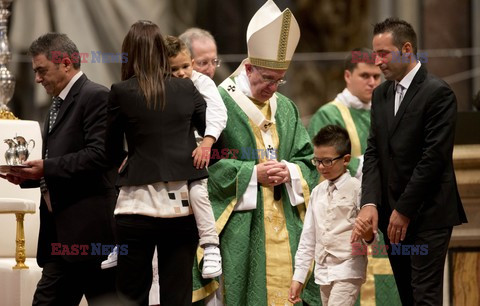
201, 155
397, 228
368, 214
294, 292
35, 172
366, 229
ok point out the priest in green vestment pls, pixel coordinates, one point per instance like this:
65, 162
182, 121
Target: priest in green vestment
351, 108
259, 191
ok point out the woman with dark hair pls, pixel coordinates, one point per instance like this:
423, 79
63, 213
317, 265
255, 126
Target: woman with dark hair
157, 115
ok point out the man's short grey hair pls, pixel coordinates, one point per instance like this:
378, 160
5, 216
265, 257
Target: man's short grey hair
59, 43
192, 34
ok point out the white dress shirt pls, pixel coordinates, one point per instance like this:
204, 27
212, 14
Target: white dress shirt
63, 94
326, 234
405, 82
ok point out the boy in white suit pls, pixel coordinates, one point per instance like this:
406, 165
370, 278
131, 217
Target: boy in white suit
328, 225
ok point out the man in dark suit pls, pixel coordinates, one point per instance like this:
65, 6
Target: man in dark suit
78, 194
409, 187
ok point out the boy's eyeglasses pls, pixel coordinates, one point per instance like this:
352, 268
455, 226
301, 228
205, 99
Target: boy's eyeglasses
270, 81
214, 62
326, 162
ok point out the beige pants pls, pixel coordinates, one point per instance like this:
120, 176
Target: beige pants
341, 293
202, 209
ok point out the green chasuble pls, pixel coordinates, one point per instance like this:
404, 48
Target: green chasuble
258, 246
330, 114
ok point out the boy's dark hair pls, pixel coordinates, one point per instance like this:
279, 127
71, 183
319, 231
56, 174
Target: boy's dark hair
58, 43
175, 45
401, 30
350, 64
333, 135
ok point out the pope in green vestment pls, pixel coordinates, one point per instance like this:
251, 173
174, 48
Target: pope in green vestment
260, 188
258, 245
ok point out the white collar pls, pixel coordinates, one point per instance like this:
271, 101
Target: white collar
63, 94
243, 83
340, 181
352, 101
407, 80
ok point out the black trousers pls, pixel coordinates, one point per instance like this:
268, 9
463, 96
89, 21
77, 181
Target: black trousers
64, 284
176, 239
419, 276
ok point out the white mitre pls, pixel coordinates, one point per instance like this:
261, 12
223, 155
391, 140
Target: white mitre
272, 37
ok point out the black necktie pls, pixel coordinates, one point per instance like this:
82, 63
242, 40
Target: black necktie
54, 112
51, 121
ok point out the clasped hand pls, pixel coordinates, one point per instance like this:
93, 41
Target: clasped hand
272, 173
366, 224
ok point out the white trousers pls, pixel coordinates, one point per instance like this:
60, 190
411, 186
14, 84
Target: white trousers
202, 209
341, 293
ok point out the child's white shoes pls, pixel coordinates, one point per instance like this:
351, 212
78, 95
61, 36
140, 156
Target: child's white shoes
212, 262
111, 260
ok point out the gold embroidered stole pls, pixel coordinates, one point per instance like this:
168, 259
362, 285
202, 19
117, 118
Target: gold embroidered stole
277, 247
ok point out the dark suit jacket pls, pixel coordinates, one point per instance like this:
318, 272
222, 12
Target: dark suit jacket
408, 162
80, 182
160, 142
